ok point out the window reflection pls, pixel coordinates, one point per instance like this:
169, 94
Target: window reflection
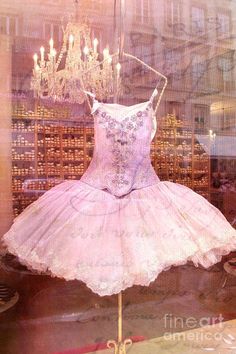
192, 43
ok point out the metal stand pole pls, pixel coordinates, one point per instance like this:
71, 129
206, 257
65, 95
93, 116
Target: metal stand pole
119, 346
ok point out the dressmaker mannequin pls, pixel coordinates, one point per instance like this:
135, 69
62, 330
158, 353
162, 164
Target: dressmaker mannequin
120, 344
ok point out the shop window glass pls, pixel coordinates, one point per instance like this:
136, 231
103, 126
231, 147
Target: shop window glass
198, 20
142, 11
8, 25
193, 44
199, 71
223, 24
172, 13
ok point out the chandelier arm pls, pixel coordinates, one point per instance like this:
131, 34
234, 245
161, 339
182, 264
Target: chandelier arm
141, 62
101, 62
91, 69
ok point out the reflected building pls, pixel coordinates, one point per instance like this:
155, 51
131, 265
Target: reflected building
198, 44
193, 43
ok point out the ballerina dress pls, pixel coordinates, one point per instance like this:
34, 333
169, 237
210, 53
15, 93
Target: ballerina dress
119, 225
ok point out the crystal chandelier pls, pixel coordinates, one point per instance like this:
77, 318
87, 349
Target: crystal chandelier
63, 77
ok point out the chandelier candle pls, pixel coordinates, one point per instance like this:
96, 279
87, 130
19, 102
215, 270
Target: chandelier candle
42, 54
51, 46
95, 45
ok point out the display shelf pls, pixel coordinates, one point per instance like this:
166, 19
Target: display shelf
178, 157
47, 151
20, 110
47, 148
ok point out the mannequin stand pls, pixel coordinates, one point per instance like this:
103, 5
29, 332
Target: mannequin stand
120, 345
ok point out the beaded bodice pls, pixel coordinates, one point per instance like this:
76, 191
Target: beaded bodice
121, 158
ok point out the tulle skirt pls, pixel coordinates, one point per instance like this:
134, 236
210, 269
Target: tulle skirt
76, 231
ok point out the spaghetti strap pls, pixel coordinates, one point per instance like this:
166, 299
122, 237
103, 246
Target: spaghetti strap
154, 94
90, 94
95, 102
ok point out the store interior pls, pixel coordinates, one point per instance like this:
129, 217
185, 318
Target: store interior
46, 140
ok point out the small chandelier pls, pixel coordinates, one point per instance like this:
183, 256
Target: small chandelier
63, 77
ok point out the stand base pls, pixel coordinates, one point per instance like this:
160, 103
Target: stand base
119, 347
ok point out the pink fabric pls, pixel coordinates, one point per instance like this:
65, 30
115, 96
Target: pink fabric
121, 159
124, 234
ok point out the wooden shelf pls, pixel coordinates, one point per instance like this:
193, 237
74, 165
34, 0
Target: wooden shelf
175, 153
60, 148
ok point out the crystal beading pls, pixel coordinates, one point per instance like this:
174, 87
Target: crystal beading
121, 162
122, 135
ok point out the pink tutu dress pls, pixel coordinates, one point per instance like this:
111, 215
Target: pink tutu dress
119, 225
